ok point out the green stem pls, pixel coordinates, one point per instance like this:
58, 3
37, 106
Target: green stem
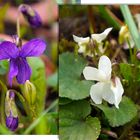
36, 122
130, 50
90, 19
18, 25
4, 90
33, 113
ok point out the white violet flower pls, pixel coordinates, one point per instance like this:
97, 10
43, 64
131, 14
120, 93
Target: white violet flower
84, 41
111, 90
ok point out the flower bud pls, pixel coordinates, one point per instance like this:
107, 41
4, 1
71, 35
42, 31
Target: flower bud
29, 92
123, 34
12, 122
11, 111
138, 55
31, 15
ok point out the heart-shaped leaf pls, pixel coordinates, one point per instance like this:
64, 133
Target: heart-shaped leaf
75, 124
117, 117
70, 83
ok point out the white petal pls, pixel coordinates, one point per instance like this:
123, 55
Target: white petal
96, 92
100, 37
118, 91
106, 91
91, 73
82, 48
81, 39
105, 66
108, 94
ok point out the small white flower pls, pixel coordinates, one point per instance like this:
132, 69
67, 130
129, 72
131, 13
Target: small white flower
106, 88
83, 42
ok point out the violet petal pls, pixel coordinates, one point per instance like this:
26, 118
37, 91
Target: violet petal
35, 47
13, 70
24, 71
8, 50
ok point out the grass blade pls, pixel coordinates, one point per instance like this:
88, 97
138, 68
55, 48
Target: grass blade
35, 123
104, 13
131, 24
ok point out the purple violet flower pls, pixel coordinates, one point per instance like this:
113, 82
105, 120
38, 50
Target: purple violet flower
31, 15
12, 122
17, 55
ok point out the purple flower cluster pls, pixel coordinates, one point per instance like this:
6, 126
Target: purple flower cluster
19, 67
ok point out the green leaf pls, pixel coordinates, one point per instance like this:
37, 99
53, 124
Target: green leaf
117, 117
126, 71
75, 124
39, 80
52, 123
3, 67
63, 101
70, 83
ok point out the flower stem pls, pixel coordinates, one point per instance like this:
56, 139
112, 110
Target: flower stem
18, 24
109, 133
4, 89
36, 122
130, 50
33, 112
90, 18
